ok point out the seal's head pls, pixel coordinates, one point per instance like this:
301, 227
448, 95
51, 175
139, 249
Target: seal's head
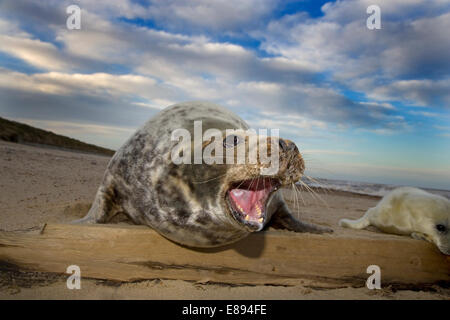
431, 217
250, 188
251, 168
434, 221
442, 236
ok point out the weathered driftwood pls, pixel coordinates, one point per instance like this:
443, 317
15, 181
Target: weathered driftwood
129, 253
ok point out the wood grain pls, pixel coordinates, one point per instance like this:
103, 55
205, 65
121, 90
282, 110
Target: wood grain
131, 253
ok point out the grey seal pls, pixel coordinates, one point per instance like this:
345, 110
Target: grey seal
197, 205
410, 211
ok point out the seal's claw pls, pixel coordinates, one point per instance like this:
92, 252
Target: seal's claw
326, 229
283, 219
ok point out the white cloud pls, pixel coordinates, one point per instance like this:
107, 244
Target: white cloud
74, 83
35, 52
425, 92
412, 44
383, 105
424, 114
220, 15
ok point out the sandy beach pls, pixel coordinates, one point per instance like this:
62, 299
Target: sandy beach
44, 185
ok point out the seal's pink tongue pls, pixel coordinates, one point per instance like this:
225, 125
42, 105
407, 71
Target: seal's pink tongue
249, 202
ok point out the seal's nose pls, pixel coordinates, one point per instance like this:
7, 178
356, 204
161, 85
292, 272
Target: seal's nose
287, 145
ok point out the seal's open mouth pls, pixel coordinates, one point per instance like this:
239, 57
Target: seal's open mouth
248, 200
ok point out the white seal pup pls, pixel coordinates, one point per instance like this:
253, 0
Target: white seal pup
410, 211
199, 204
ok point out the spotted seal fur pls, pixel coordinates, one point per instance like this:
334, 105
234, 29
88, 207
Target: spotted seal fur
197, 205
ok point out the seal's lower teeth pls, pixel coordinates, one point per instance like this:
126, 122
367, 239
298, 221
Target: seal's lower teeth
247, 218
260, 220
258, 210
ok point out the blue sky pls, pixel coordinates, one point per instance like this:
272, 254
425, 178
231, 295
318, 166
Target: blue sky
366, 105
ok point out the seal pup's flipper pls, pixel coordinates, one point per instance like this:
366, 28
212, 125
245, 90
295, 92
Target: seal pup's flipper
283, 219
360, 223
421, 236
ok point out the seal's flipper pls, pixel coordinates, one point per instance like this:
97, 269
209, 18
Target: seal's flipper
283, 219
104, 206
421, 236
360, 223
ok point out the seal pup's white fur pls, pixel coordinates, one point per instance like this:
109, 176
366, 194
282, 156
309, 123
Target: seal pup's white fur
410, 211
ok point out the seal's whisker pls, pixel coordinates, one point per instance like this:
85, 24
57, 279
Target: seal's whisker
299, 192
320, 185
310, 191
291, 197
313, 193
303, 186
296, 202
240, 184
302, 189
251, 183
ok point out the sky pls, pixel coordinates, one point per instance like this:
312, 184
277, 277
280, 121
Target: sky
363, 105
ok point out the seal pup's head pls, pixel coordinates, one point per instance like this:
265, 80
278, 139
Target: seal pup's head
435, 223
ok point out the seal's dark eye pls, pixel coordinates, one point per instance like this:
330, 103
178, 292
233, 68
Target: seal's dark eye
231, 141
441, 228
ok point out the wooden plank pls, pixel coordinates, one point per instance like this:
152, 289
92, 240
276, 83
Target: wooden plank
130, 253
